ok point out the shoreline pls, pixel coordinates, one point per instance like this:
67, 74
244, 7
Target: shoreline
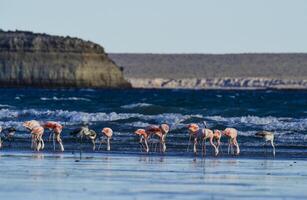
227, 83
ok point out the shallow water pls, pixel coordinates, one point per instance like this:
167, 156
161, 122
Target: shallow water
103, 176
125, 173
281, 111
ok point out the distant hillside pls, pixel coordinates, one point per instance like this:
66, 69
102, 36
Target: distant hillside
178, 66
205, 71
31, 59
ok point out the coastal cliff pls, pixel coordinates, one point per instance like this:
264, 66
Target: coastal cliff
41, 60
215, 71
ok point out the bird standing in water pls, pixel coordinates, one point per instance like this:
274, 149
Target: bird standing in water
85, 132
160, 131
232, 134
203, 134
267, 137
37, 132
56, 130
144, 136
9, 134
107, 132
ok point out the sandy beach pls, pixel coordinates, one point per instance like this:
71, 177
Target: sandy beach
116, 176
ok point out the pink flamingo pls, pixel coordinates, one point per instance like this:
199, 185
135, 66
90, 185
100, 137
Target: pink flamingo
232, 134
107, 132
56, 129
204, 134
37, 132
217, 135
144, 136
160, 131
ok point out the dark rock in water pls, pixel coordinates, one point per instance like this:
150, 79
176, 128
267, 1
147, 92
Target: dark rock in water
29, 59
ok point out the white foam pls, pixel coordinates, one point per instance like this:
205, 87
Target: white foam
136, 105
64, 99
6, 106
72, 116
267, 123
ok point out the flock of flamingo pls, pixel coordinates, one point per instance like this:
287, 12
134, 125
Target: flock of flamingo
196, 135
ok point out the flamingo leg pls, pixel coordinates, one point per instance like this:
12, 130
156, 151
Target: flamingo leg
59, 140
235, 142
146, 146
216, 151
38, 143
108, 144
42, 142
219, 145
229, 143
80, 147
141, 144
94, 144
195, 146
189, 143
100, 143
53, 141
272, 143
32, 142
163, 144
203, 147
50, 135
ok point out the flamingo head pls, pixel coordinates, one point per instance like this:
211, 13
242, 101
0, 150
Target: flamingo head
193, 128
164, 128
141, 132
26, 124
226, 132
107, 132
217, 133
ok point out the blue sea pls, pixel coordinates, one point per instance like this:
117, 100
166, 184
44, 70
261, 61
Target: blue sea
282, 111
127, 173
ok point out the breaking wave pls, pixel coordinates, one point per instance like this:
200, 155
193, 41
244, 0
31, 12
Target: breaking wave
136, 105
64, 99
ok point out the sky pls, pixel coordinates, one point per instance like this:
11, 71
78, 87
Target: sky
167, 26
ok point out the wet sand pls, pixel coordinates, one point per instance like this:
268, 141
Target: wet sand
116, 176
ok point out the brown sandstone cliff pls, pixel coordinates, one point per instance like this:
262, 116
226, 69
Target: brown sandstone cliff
28, 59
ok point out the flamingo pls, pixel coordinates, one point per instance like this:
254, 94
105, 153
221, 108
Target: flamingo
217, 135
267, 137
9, 134
84, 131
204, 134
160, 131
56, 130
232, 134
143, 136
107, 132
37, 132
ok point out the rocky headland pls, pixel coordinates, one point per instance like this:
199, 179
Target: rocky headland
41, 60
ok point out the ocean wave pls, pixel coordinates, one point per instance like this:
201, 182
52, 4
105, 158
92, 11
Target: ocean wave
136, 105
267, 123
64, 99
246, 124
6, 106
64, 115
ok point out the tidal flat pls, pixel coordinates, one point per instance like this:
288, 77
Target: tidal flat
27, 175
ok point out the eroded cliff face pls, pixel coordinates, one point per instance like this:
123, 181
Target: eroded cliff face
28, 59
